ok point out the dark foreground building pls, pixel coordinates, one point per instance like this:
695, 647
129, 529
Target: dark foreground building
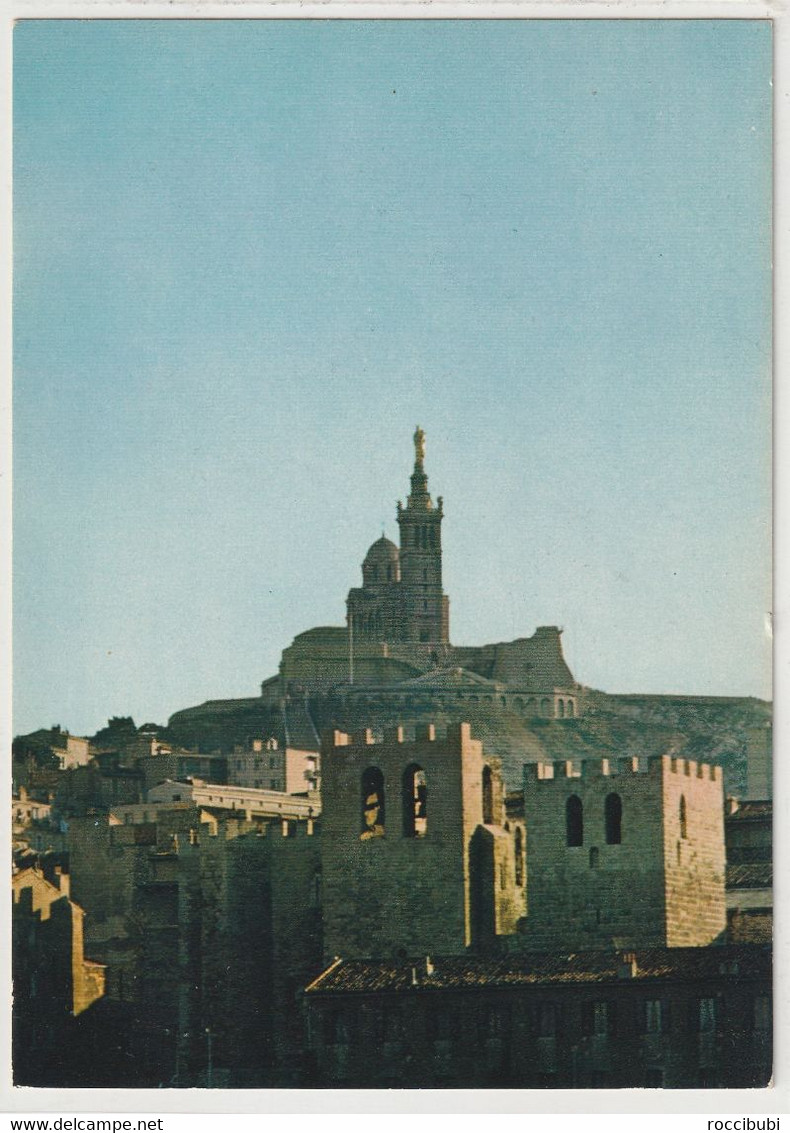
681, 1018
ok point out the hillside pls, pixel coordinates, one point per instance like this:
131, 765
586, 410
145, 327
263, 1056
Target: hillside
702, 728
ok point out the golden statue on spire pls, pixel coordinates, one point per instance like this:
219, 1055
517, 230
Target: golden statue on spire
419, 445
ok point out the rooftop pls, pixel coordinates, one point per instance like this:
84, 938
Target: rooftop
750, 875
462, 973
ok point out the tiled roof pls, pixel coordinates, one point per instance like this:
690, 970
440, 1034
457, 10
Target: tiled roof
761, 808
744, 927
464, 973
750, 875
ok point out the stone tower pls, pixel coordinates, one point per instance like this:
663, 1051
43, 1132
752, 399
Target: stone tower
627, 852
417, 856
426, 610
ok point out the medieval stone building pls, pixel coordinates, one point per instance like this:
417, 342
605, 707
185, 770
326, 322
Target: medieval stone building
418, 854
625, 852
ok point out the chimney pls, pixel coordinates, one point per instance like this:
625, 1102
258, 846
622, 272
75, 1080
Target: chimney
626, 967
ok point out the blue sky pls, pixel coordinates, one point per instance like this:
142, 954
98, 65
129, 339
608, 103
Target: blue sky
251, 256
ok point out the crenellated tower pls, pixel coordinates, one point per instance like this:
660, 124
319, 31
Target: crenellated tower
425, 609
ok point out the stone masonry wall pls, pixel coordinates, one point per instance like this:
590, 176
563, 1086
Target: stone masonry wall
656, 885
694, 856
588, 895
392, 892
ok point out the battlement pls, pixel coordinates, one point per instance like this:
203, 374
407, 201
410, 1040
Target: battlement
455, 736
655, 766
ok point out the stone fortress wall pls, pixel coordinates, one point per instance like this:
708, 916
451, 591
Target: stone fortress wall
630, 851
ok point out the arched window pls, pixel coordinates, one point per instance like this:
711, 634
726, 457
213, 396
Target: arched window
488, 797
415, 802
571, 708
519, 857
372, 804
545, 708
574, 821
560, 708
682, 816
613, 817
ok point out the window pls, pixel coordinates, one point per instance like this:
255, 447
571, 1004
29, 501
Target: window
598, 1018
547, 1020
415, 802
335, 1028
488, 796
613, 815
574, 821
392, 1023
682, 816
372, 804
655, 1016
519, 857
494, 1023
762, 1013
706, 1016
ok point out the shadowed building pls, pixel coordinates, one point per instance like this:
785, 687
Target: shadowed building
679, 1018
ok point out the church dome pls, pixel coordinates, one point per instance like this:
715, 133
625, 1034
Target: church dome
383, 551
382, 563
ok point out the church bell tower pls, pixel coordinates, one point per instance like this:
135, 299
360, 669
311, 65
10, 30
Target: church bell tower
425, 609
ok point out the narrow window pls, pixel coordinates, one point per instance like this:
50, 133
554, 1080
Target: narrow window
488, 797
561, 708
762, 1013
519, 857
372, 804
613, 812
574, 821
597, 1018
415, 802
682, 815
655, 1016
544, 706
547, 1020
571, 707
707, 1016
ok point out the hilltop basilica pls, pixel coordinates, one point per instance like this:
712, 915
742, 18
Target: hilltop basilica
396, 640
